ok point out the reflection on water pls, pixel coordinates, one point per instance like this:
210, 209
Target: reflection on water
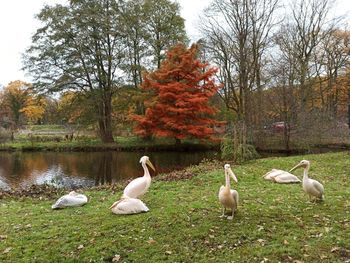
84, 169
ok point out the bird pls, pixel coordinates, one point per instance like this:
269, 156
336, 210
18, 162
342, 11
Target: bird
139, 186
280, 176
69, 200
310, 186
127, 206
228, 197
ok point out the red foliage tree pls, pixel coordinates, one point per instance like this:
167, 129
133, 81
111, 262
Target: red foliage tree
178, 103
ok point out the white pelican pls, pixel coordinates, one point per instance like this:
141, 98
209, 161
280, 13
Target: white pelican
310, 186
140, 185
280, 176
228, 197
127, 206
71, 199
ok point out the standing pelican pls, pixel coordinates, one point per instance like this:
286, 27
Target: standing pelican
140, 185
310, 186
228, 197
127, 206
280, 176
71, 199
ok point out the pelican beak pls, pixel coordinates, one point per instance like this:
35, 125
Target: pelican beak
295, 167
115, 203
230, 172
150, 165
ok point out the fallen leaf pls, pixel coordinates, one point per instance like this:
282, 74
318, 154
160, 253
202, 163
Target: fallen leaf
116, 258
7, 250
80, 246
151, 241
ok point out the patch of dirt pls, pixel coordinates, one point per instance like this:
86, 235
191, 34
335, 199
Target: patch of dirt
191, 171
34, 191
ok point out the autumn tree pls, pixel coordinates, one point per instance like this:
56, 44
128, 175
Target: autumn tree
180, 90
22, 103
152, 27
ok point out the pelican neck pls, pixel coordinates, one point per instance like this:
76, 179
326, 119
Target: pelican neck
306, 170
145, 169
227, 177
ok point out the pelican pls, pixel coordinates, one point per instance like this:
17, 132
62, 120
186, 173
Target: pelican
228, 197
280, 176
310, 186
140, 185
71, 199
127, 206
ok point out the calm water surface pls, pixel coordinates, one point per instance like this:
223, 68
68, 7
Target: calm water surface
85, 169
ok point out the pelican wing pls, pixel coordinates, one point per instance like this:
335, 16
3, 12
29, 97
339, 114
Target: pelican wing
69, 200
235, 196
136, 188
60, 203
318, 186
271, 174
286, 178
130, 206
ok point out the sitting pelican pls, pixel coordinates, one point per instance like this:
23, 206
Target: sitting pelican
280, 176
140, 185
71, 199
127, 206
228, 198
310, 186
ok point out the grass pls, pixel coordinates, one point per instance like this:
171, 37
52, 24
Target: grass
274, 223
24, 143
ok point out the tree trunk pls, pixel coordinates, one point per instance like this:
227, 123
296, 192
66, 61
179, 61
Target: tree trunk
177, 141
105, 121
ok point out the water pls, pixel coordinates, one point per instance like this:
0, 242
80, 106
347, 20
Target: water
86, 169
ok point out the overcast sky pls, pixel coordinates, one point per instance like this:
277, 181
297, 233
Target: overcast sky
17, 24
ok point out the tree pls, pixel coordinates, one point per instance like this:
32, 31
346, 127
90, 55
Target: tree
165, 27
22, 103
80, 48
152, 27
237, 35
180, 90
310, 26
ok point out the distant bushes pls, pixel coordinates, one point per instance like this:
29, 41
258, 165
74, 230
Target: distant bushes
238, 152
5, 135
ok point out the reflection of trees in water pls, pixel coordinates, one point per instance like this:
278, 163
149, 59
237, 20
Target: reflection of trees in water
55, 177
104, 175
87, 168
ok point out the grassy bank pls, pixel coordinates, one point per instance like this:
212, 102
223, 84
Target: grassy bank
93, 144
275, 223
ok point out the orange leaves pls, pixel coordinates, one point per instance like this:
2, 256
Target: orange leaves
179, 105
19, 99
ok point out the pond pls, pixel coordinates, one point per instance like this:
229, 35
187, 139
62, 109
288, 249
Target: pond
86, 169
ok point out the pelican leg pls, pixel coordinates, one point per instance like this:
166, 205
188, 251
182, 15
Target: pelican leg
223, 212
232, 213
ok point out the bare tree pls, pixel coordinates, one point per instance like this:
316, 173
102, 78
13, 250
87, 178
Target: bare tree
310, 24
332, 58
236, 34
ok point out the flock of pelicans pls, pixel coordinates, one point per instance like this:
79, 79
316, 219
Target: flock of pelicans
130, 203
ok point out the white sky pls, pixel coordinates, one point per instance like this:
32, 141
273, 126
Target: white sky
17, 24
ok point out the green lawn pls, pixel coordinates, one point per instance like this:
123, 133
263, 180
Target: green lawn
49, 143
274, 223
